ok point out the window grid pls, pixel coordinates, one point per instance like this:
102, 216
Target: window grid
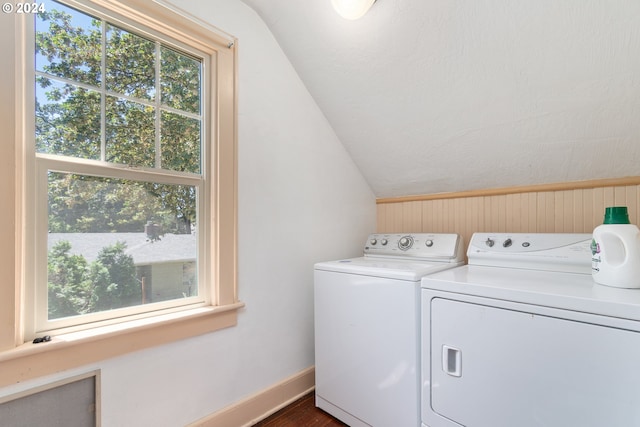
103, 168
157, 104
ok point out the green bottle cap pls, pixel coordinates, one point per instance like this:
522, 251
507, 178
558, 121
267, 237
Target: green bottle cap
616, 215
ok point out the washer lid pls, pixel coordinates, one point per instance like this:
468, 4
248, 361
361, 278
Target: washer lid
400, 269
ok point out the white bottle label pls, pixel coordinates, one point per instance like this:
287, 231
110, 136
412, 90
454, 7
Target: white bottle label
596, 258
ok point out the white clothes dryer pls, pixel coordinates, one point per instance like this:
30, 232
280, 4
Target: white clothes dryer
367, 316
523, 336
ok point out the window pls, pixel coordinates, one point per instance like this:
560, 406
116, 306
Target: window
123, 122
119, 136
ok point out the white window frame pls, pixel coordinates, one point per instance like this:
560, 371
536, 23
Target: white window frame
20, 359
36, 319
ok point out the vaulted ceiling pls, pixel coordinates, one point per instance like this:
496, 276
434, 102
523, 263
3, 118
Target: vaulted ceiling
450, 95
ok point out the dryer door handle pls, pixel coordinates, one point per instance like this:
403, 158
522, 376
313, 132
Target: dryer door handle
452, 361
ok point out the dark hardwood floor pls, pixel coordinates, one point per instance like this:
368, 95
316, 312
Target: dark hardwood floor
301, 413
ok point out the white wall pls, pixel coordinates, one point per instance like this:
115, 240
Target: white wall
301, 200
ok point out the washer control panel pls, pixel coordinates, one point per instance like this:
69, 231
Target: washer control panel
424, 246
568, 252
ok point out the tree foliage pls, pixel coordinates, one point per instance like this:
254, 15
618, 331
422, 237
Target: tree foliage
121, 124
77, 287
68, 287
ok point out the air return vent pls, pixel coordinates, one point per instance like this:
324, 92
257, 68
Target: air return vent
69, 402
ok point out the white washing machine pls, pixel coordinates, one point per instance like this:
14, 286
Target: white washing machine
522, 336
367, 316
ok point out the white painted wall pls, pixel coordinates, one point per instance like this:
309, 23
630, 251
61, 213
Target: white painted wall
301, 200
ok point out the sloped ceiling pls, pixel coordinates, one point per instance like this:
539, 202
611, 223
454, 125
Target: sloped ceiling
451, 95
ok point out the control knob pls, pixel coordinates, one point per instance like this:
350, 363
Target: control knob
405, 243
373, 241
429, 243
384, 242
489, 242
507, 243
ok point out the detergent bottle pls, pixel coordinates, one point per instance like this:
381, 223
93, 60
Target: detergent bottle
615, 250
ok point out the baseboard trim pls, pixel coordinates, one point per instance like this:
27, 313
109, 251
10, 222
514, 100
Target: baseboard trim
259, 406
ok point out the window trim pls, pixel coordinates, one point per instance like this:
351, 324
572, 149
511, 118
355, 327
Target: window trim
20, 361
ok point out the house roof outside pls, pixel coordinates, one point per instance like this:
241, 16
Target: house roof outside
170, 247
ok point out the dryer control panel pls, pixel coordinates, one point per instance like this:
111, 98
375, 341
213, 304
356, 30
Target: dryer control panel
567, 252
423, 246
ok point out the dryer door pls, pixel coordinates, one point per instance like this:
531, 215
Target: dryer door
494, 367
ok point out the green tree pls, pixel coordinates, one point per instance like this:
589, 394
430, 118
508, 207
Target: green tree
113, 276
88, 204
77, 287
69, 289
69, 122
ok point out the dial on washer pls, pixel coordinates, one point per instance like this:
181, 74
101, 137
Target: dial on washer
405, 242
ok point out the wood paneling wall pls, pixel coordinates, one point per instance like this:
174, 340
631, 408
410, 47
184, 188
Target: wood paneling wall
557, 208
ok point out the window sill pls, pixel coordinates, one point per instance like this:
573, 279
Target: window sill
76, 349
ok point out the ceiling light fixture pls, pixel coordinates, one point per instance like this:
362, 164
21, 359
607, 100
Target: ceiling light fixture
352, 9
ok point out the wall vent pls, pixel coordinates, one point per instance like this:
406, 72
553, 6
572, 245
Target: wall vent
71, 402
